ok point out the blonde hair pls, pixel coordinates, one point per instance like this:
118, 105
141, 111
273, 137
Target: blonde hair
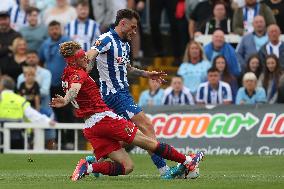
16, 42
69, 48
186, 56
249, 76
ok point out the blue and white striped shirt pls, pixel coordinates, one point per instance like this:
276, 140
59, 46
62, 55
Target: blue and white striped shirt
114, 55
184, 97
18, 17
205, 94
85, 33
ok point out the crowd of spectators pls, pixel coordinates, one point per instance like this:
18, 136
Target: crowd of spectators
213, 73
250, 72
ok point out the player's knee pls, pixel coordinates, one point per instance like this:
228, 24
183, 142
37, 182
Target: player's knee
129, 167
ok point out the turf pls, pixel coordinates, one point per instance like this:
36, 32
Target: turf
53, 171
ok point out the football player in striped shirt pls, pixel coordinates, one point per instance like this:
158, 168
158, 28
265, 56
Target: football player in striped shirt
112, 54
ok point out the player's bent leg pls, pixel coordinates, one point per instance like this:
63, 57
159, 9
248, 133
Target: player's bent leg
145, 126
122, 157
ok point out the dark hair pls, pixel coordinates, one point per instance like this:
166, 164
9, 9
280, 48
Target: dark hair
178, 76
32, 52
212, 69
259, 69
7, 82
226, 75
268, 75
54, 23
126, 13
32, 9
82, 2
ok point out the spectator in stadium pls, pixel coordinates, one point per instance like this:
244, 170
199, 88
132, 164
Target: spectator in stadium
203, 12
277, 7
243, 17
30, 88
7, 36
83, 30
250, 93
177, 94
42, 76
270, 78
16, 62
13, 108
35, 33
62, 13
252, 42
153, 96
221, 64
220, 20
194, 67
273, 46
156, 8
18, 15
254, 65
218, 46
214, 91
54, 62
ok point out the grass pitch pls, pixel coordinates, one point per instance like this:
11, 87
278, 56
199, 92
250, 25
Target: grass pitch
53, 171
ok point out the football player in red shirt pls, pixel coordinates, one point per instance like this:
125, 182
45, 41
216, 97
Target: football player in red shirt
103, 128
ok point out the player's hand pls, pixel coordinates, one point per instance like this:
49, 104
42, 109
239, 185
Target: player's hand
57, 102
52, 123
158, 76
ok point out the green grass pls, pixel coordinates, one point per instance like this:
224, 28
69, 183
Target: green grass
53, 171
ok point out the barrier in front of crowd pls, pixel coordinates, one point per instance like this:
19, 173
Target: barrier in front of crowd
231, 38
230, 130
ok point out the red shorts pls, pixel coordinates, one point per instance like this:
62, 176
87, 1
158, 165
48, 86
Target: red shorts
105, 135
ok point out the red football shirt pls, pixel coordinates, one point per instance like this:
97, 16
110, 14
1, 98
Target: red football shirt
88, 100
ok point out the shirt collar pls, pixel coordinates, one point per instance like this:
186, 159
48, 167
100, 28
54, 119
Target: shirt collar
115, 35
248, 93
277, 46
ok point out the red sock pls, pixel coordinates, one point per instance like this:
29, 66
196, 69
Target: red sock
108, 168
168, 152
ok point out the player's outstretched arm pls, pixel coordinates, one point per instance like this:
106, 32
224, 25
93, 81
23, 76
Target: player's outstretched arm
91, 54
59, 101
158, 76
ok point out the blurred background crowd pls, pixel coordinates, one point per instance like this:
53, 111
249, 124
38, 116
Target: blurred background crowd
248, 71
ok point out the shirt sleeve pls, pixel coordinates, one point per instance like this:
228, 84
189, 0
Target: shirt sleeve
102, 44
239, 96
34, 116
200, 95
229, 96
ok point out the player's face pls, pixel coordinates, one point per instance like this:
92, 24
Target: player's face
82, 61
129, 28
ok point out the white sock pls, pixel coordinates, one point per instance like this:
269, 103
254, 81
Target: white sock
163, 170
187, 160
90, 168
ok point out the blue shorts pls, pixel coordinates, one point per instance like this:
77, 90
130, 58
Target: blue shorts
122, 103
